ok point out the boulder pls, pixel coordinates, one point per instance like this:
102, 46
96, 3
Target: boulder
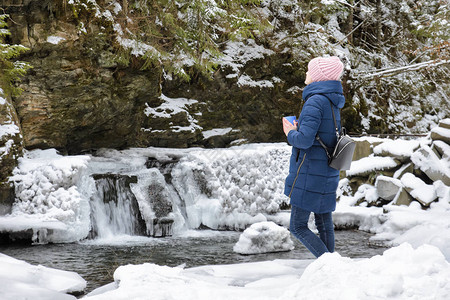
445, 123
429, 163
398, 149
419, 190
372, 164
364, 147
387, 187
402, 198
441, 134
407, 168
442, 148
355, 182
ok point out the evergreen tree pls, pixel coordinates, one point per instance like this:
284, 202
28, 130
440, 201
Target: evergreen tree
183, 36
10, 70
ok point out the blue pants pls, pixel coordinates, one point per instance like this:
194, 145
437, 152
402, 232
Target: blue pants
299, 228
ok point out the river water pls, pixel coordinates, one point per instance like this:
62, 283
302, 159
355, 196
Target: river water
96, 260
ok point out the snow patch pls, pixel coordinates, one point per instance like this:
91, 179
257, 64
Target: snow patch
216, 131
245, 80
55, 40
171, 107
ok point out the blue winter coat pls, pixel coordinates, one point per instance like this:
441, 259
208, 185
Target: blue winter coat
311, 183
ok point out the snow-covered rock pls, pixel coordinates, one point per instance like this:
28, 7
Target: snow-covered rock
387, 187
264, 237
419, 190
364, 146
21, 280
406, 168
428, 162
445, 123
399, 149
443, 149
402, 197
441, 133
367, 165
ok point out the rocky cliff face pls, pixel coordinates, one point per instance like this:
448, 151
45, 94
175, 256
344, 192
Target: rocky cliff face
73, 99
77, 99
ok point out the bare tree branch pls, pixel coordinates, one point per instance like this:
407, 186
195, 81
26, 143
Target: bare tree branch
414, 67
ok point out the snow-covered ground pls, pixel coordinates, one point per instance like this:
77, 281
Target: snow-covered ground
400, 273
21, 280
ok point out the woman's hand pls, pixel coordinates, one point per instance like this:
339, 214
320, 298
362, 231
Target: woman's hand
287, 126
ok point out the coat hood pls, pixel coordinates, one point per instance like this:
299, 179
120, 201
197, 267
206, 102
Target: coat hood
332, 89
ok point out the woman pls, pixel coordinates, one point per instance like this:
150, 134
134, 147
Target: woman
311, 184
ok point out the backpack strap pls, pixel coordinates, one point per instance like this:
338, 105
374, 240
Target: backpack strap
336, 128
334, 116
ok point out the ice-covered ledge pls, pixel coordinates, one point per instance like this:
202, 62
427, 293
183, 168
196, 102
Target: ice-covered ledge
28, 227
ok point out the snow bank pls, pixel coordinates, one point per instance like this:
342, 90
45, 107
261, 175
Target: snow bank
260, 280
416, 226
46, 189
400, 273
21, 280
264, 237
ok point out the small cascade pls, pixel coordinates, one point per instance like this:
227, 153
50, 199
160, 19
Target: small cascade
114, 207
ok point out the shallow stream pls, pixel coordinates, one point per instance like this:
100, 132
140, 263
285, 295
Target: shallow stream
96, 260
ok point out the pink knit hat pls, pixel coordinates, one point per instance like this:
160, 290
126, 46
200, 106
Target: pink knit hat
325, 68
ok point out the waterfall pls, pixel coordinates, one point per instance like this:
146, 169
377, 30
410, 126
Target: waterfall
114, 208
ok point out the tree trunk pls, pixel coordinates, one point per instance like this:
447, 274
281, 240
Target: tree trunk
125, 7
350, 22
378, 18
